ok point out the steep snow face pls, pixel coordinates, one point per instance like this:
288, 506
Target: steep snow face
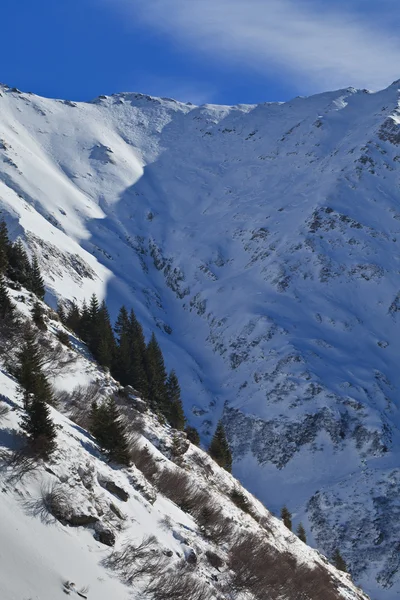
63, 522
262, 242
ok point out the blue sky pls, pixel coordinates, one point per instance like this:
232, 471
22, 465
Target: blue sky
222, 51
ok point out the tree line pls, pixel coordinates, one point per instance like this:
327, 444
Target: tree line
123, 350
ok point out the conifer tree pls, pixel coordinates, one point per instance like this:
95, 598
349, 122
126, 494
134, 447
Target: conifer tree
157, 376
84, 327
103, 341
73, 318
37, 422
36, 279
7, 308
38, 316
192, 435
39, 427
138, 356
19, 267
4, 246
29, 371
174, 412
301, 533
61, 313
110, 431
122, 324
338, 561
286, 517
219, 448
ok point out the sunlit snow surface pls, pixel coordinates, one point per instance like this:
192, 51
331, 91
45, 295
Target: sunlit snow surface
262, 243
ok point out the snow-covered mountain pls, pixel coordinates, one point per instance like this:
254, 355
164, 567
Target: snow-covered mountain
79, 526
262, 241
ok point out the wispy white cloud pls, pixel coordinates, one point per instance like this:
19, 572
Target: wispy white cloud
317, 47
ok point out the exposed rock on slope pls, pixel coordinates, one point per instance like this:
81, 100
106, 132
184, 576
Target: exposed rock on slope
262, 241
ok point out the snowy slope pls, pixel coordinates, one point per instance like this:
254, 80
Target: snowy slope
42, 558
262, 241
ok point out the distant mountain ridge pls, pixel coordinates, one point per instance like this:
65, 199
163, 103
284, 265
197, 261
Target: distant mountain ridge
263, 242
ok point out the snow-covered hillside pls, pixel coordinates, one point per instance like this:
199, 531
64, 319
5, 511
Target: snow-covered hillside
65, 524
262, 241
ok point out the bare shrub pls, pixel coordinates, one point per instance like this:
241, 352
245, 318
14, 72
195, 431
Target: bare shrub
174, 585
262, 570
79, 402
53, 357
215, 525
175, 484
4, 410
22, 463
240, 500
201, 461
63, 338
139, 560
179, 487
214, 559
55, 501
143, 459
265, 523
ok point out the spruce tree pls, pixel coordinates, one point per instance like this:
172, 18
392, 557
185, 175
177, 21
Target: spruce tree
61, 313
84, 326
39, 427
103, 338
36, 284
192, 435
4, 246
122, 324
38, 316
138, 347
37, 422
19, 267
7, 308
286, 517
301, 533
174, 412
338, 561
110, 431
219, 448
73, 318
157, 376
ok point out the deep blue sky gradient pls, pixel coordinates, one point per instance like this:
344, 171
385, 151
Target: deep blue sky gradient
79, 49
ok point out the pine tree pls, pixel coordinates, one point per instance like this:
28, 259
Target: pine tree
301, 533
37, 422
38, 316
192, 435
39, 427
36, 284
110, 431
103, 341
19, 267
157, 376
84, 327
61, 313
7, 308
29, 371
174, 412
73, 318
138, 356
122, 324
338, 561
219, 448
286, 517
4, 246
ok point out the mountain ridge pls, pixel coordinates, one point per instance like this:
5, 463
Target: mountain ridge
261, 240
